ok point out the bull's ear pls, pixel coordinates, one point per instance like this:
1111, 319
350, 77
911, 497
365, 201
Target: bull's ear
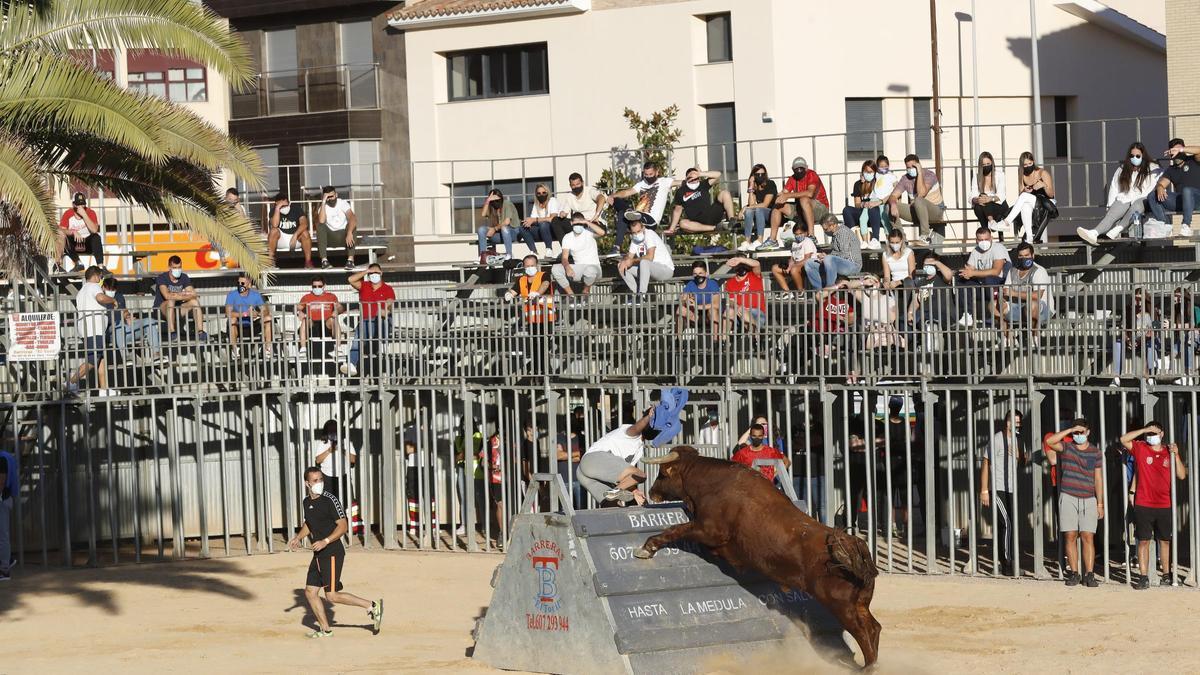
685, 450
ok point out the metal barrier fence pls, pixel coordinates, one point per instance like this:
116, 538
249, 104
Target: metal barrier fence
1147, 335
443, 468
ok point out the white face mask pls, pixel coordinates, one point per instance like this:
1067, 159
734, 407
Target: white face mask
692, 185
374, 277
176, 272
111, 294
284, 210
912, 172
868, 177
984, 245
895, 247
1154, 439
530, 271
930, 270
577, 229
639, 238
318, 290
1080, 439
317, 488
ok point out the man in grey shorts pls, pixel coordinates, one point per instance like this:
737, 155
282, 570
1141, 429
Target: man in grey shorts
1080, 496
608, 468
580, 256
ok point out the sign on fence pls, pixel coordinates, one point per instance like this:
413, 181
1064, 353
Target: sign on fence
34, 336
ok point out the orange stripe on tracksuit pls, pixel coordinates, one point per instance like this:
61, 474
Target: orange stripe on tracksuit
332, 572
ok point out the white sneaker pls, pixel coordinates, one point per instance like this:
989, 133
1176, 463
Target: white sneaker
874, 245
1116, 382
348, 369
1185, 231
460, 530
1114, 232
966, 321
746, 246
1087, 235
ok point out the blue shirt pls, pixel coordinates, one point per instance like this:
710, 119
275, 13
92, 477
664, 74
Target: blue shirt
241, 304
174, 285
703, 295
11, 469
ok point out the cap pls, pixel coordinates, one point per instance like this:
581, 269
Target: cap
799, 163
78, 198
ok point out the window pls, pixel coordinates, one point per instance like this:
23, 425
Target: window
181, 85
864, 127
517, 70
922, 131
468, 199
280, 80
358, 58
1055, 129
722, 142
272, 181
350, 166
720, 37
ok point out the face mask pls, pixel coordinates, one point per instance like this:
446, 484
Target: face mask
868, 177
692, 185
756, 441
984, 245
700, 281
1028, 169
242, 288
577, 229
1079, 439
895, 247
542, 198
577, 191
1154, 439
987, 169
713, 419
639, 238
530, 271
760, 179
1025, 263
111, 294
799, 173
176, 273
884, 170
741, 271
1136, 161
374, 277
929, 270
331, 201
318, 290
317, 488
912, 172
649, 179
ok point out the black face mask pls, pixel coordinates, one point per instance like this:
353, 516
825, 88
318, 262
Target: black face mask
332, 201
756, 441
649, 179
760, 179
577, 191
243, 288
542, 198
741, 271
987, 169
799, 173
700, 281
1028, 169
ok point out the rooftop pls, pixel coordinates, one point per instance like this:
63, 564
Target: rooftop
420, 13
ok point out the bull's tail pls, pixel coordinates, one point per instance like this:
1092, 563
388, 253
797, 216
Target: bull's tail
852, 555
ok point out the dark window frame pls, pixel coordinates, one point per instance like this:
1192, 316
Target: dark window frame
857, 139
922, 107
493, 58
727, 46
519, 191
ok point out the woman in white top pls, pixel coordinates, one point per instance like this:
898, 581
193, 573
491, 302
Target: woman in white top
1131, 182
988, 199
899, 263
1035, 181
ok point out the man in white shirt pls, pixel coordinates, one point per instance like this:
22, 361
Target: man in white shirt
335, 222
651, 200
580, 256
92, 306
648, 258
335, 457
583, 199
608, 468
544, 219
987, 266
1026, 294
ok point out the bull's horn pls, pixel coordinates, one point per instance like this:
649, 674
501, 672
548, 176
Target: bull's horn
667, 458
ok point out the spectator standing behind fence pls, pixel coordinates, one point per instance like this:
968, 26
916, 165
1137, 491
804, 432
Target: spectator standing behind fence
925, 206
173, 289
648, 259
375, 300
336, 222
544, 221
580, 256
248, 315
869, 209
755, 448
1026, 295
1080, 497
1131, 183
844, 257
583, 199
803, 198
125, 328
318, 307
288, 228
694, 210
998, 480
747, 305
1035, 184
1155, 463
1179, 188
92, 306
1140, 321
700, 299
651, 200
803, 250
761, 192
986, 269
988, 197
79, 231
336, 457
1182, 328
9, 492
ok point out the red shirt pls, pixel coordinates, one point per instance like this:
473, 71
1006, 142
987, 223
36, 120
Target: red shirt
493, 449
372, 299
747, 292
834, 314
73, 222
748, 454
1152, 467
810, 178
319, 307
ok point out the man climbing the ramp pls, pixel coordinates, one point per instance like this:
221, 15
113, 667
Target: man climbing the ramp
608, 469
325, 522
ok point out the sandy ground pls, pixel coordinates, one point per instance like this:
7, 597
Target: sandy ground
243, 615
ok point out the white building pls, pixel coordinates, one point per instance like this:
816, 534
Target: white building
550, 78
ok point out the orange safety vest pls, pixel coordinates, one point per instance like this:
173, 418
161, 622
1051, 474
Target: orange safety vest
536, 312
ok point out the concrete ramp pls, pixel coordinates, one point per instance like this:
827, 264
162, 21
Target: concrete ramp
570, 597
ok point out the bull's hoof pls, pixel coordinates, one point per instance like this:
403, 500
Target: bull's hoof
643, 553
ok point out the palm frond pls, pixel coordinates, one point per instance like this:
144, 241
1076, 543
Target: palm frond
183, 133
228, 229
179, 27
29, 204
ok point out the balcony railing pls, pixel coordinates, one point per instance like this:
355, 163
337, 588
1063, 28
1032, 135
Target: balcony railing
346, 86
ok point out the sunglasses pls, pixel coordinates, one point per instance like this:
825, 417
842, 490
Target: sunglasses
542, 194
1132, 156
321, 286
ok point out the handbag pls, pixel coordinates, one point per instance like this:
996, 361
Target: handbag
1044, 211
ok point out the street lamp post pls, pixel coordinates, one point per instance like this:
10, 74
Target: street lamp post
1037, 84
936, 102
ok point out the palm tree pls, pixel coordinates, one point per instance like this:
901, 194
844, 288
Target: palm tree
61, 121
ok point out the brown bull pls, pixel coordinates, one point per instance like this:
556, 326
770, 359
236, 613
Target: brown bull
740, 516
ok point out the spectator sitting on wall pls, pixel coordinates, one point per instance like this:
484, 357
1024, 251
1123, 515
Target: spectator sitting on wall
803, 198
988, 196
870, 209
986, 269
694, 210
648, 259
1179, 188
233, 199
1152, 505
1131, 183
580, 256
1140, 321
125, 328
1182, 329
651, 193
926, 206
533, 287
701, 296
1026, 295
760, 197
336, 457
173, 289
318, 307
844, 257
1080, 496
544, 221
335, 221
899, 261
878, 313
500, 220
583, 199
375, 300
747, 305
79, 231
289, 228
930, 302
756, 448
248, 314
92, 307
1035, 182
804, 248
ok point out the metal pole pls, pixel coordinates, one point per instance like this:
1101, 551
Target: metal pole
937, 105
1037, 84
975, 77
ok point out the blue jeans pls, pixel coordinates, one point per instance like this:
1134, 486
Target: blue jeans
369, 329
1183, 202
146, 328
543, 232
832, 267
975, 295
852, 214
503, 235
1149, 350
755, 221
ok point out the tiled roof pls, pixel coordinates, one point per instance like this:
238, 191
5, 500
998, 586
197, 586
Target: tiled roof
427, 9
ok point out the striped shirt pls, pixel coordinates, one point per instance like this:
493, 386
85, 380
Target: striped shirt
1077, 469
